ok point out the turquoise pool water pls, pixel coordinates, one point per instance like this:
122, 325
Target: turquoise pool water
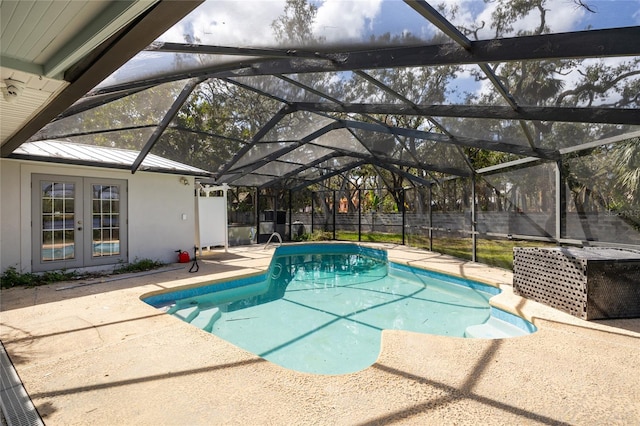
321, 308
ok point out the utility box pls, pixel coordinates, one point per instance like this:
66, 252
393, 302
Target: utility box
272, 221
589, 283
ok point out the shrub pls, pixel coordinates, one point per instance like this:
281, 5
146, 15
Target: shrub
12, 278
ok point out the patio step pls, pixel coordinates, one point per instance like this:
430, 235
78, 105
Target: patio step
494, 328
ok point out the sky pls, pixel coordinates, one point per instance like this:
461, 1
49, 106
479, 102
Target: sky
248, 23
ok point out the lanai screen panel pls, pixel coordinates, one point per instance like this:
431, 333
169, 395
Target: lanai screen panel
517, 202
602, 194
142, 109
306, 154
126, 139
367, 80
279, 88
297, 125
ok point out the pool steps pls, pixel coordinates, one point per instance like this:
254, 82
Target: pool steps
206, 318
201, 318
494, 328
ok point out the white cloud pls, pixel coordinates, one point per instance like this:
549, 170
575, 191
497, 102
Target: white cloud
229, 23
339, 20
561, 15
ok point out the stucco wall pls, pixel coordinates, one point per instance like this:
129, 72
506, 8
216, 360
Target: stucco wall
156, 205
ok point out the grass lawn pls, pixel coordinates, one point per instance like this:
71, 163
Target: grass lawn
491, 252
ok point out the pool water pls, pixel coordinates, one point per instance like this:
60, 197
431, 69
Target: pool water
323, 313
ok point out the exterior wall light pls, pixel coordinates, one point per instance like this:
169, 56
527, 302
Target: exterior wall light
12, 90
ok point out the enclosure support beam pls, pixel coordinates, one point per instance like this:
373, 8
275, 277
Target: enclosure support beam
312, 212
404, 216
430, 217
333, 210
561, 203
359, 215
290, 217
474, 234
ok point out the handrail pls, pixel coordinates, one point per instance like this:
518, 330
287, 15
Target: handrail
270, 238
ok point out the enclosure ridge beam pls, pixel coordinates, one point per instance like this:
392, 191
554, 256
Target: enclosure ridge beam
511, 148
196, 48
570, 45
566, 114
579, 44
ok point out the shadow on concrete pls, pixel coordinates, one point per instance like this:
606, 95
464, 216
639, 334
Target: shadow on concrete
454, 394
164, 376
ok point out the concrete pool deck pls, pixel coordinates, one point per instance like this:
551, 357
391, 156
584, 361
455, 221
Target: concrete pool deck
91, 352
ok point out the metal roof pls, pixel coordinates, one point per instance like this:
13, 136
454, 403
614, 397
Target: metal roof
100, 156
288, 93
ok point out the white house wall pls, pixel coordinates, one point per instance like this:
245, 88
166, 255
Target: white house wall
161, 211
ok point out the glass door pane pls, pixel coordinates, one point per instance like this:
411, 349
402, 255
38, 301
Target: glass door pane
105, 203
57, 219
105, 220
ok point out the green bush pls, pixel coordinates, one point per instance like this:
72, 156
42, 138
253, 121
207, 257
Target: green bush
320, 236
12, 278
138, 266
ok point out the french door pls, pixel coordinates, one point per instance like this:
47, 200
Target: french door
78, 221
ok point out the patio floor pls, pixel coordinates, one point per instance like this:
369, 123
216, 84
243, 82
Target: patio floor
94, 353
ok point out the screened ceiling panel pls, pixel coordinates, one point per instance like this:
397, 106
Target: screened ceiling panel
252, 180
559, 135
260, 151
441, 155
264, 93
306, 154
279, 88
126, 139
296, 126
277, 168
507, 131
345, 86
145, 108
431, 85
157, 65
341, 139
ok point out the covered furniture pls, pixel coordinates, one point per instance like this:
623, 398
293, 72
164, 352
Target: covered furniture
590, 283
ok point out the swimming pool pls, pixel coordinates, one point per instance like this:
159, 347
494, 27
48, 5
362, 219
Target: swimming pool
321, 308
